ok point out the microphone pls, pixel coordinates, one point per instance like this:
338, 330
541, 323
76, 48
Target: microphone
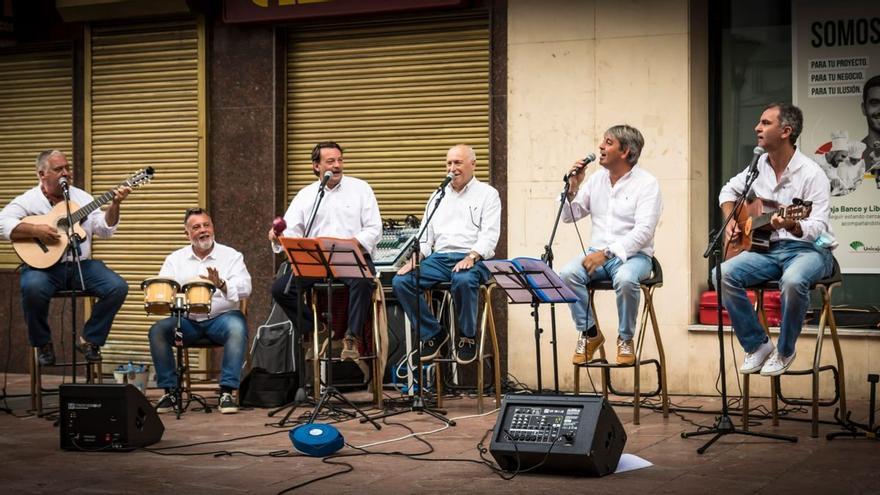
327, 176
279, 226
62, 181
753, 167
447, 180
587, 159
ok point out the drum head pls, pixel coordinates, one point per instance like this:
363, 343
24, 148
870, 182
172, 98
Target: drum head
199, 283
158, 280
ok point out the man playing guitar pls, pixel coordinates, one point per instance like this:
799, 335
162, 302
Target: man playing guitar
799, 250
38, 285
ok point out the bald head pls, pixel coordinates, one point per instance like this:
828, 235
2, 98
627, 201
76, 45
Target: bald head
461, 161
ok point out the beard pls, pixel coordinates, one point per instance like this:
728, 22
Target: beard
204, 244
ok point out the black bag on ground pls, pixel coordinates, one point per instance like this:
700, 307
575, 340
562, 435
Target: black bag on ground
273, 379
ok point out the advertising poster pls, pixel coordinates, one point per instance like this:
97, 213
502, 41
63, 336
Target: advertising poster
836, 71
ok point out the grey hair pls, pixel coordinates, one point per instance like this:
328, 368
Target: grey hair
630, 139
472, 155
791, 116
43, 158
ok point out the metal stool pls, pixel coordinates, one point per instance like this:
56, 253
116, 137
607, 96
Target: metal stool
487, 322
373, 357
647, 286
93, 370
826, 319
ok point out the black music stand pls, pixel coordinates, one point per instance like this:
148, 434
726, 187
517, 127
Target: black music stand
329, 259
723, 424
531, 281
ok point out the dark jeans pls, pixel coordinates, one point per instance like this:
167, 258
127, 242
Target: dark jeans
39, 285
228, 330
360, 297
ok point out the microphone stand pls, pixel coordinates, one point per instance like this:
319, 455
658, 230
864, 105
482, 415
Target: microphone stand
547, 257
418, 401
74, 250
723, 424
300, 397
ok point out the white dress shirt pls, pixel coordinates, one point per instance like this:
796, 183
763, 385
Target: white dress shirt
34, 202
184, 266
802, 178
465, 221
625, 215
349, 210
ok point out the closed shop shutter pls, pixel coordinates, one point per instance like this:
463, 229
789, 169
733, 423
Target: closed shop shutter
396, 94
36, 114
145, 98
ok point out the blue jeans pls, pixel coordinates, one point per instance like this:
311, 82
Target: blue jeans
38, 286
796, 265
436, 269
228, 329
626, 279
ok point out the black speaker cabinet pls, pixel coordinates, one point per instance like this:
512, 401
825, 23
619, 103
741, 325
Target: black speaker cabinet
579, 435
107, 417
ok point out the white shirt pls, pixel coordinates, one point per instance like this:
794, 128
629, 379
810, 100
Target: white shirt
803, 179
624, 215
34, 202
183, 266
465, 221
349, 210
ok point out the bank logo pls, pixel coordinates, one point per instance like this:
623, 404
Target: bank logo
860, 247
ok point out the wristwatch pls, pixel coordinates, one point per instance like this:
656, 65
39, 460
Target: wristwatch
608, 253
222, 285
472, 256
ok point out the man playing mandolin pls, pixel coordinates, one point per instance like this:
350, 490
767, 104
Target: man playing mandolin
799, 251
38, 285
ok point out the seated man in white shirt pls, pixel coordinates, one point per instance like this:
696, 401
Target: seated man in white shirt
348, 210
463, 231
38, 285
800, 250
224, 267
624, 202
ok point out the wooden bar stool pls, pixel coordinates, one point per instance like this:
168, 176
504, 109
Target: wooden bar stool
93, 370
211, 373
485, 331
826, 319
648, 286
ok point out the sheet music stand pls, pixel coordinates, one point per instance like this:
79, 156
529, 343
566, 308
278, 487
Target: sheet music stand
531, 281
328, 258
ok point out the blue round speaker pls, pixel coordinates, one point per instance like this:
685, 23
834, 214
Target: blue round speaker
316, 440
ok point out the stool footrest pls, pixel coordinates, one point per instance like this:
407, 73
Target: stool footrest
808, 402
601, 363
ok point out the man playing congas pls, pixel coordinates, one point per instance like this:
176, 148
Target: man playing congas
204, 264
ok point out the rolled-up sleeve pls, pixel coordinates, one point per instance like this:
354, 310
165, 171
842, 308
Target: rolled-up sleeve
238, 281
579, 207
10, 217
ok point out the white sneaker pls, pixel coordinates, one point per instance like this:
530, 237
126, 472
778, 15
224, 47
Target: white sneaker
777, 364
755, 360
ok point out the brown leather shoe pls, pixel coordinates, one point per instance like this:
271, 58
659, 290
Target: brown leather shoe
586, 348
350, 349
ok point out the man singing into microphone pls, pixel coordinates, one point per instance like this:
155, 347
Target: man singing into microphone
463, 231
39, 285
348, 210
624, 202
800, 250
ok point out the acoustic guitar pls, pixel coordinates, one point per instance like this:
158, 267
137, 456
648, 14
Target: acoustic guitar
38, 254
754, 225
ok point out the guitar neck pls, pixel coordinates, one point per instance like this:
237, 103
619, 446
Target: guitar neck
84, 211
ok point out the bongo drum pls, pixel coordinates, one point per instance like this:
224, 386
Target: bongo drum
198, 296
159, 295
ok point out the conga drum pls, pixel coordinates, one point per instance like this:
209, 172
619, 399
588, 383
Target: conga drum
198, 296
159, 295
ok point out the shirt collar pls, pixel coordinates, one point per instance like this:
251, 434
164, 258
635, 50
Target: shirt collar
192, 254
466, 186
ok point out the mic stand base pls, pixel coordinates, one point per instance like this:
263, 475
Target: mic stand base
724, 426
417, 405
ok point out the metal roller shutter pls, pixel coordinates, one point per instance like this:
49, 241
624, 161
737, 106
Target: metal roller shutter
36, 113
145, 94
396, 95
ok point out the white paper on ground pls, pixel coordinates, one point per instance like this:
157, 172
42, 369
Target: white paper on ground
629, 462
